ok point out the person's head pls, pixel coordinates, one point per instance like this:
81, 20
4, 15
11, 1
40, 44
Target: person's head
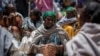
35, 15
49, 18
70, 12
5, 22
88, 12
10, 8
16, 21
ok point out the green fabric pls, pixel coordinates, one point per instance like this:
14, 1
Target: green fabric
63, 12
69, 9
49, 13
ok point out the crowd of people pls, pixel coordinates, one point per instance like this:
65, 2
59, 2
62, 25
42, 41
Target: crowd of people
52, 28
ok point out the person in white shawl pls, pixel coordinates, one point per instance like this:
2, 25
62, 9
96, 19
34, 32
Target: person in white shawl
69, 18
69, 22
87, 41
48, 33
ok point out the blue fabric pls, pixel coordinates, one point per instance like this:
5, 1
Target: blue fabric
54, 38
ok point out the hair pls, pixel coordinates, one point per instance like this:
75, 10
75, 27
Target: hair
96, 17
5, 21
36, 13
18, 16
15, 22
9, 9
88, 11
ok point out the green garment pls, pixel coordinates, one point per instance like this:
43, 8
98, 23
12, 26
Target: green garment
69, 9
63, 11
49, 13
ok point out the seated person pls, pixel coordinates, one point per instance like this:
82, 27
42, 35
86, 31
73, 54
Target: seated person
49, 37
68, 22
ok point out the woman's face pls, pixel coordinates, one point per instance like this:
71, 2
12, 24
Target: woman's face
49, 22
19, 20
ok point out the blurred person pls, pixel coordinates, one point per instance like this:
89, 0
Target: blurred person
48, 5
5, 39
68, 22
86, 42
44, 5
56, 9
5, 42
33, 21
65, 4
47, 33
31, 24
7, 47
15, 28
17, 31
11, 10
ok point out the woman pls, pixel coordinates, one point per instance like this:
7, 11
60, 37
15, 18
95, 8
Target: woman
47, 37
